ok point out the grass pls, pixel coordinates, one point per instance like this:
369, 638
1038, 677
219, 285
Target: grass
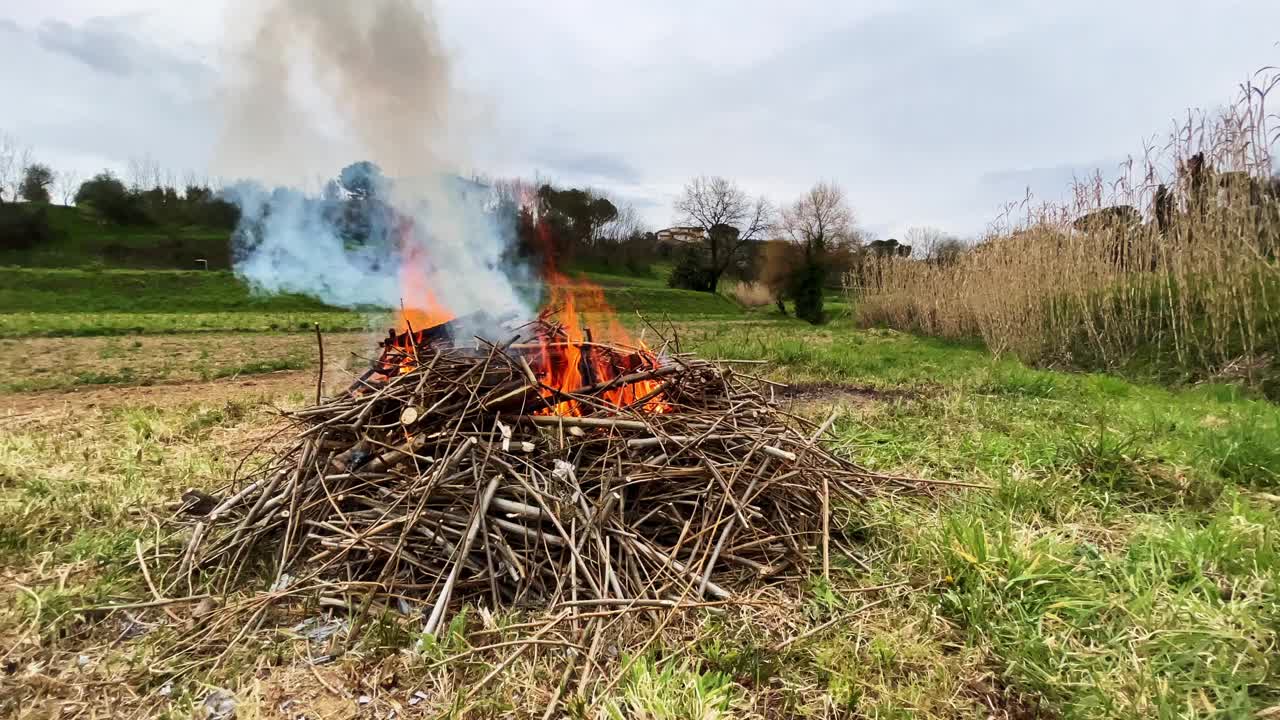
91, 324
64, 303
137, 291
1124, 562
156, 359
82, 241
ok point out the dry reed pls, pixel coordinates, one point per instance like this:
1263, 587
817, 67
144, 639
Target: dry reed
752, 294
1187, 279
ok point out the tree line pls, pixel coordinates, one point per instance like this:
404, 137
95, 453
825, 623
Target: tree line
153, 197
794, 253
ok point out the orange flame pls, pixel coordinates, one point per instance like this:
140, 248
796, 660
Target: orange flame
569, 362
419, 309
571, 300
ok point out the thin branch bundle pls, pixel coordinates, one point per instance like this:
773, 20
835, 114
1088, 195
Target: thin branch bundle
440, 478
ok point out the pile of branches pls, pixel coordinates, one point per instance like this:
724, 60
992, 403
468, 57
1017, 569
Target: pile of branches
439, 479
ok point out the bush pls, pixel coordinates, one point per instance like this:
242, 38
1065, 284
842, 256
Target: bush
112, 200
806, 289
691, 272
23, 226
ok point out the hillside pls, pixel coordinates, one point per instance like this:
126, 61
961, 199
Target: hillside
81, 240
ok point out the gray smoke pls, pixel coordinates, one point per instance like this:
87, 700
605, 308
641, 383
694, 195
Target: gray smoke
323, 83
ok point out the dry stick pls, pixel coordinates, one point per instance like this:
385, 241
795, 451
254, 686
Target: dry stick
140, 605
577, 559
779, 647
588, 660
826, 501
555, 696
320, 372
437, 613
146, 575
586, 422
641, 443
728, 530
513, 656
506, 643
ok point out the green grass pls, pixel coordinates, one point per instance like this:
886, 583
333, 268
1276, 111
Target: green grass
1124, 565
1123, 562
81, 241
56, 303
137, 291
88, 324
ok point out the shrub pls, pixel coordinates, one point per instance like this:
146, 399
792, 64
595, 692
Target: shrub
807, 283
112, 200
691, 272
23, 227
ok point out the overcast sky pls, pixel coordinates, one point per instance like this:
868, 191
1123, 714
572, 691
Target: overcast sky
925, 112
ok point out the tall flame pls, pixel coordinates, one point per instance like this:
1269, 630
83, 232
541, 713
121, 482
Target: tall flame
419, 308
571, 299
568, 362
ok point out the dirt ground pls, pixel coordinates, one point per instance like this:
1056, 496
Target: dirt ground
34, 364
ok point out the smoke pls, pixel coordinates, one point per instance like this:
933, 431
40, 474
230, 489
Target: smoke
323, 83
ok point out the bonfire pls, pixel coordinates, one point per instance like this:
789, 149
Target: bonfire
544, 468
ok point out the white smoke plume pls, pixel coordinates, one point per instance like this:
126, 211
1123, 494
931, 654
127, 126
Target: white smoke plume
322, 84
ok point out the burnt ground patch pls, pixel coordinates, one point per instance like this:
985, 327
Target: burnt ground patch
826, 392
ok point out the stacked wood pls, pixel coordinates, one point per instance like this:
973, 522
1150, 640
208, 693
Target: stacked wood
441, 478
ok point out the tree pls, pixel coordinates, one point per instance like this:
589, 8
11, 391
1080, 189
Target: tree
818, 221
24, 226
729, 218
362, 180
584, 213
13, 161
36, 180
112, 200
67, 182
888, 248
934, 246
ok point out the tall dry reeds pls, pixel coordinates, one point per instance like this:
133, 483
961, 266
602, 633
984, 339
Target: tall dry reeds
1187, 277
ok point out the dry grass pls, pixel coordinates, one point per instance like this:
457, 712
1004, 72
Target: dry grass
1077, 588
30, 364
79, 488
1202, 293
751, 294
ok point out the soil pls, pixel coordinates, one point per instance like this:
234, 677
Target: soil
16, 405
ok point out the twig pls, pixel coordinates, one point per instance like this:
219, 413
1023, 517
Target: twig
320, 372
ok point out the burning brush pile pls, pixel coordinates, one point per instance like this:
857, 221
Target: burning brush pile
540, 470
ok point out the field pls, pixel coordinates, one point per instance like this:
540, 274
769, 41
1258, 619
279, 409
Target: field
82, 240
1119, 559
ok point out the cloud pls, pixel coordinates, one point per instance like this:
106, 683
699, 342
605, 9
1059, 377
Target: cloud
1044, 183
99, 43
104, 91
927, 112
567, 163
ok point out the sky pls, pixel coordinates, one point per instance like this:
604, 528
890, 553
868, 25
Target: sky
926, 113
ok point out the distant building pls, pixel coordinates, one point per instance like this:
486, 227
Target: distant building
680, 235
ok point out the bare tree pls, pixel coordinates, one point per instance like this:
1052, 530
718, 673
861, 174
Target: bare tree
933, 245
820, 219
728, 217
14, 160
145, 173
67, 183
818, 222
